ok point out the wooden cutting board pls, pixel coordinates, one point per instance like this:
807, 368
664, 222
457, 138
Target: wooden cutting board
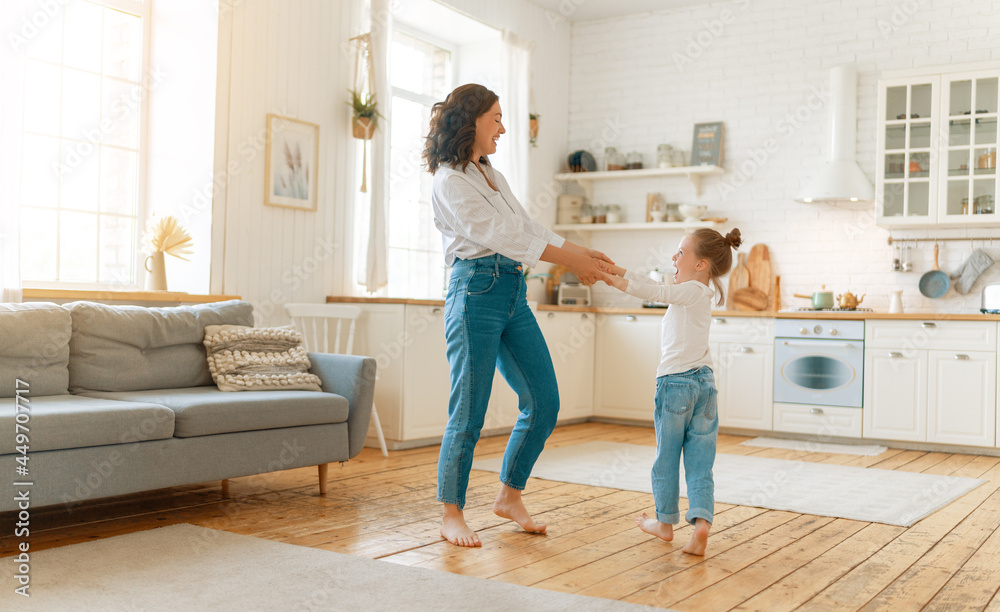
749, 298
738, 278
759, 267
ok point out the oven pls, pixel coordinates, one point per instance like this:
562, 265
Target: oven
819, 362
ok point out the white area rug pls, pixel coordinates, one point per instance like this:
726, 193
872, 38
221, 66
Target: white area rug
865, 450
184, 567
862, 494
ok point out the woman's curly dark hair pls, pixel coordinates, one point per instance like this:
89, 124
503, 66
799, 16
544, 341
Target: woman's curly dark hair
453, 126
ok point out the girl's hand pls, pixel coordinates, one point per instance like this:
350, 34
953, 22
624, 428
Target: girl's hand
617, 282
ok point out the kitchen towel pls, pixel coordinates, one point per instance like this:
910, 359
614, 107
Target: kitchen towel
970, 271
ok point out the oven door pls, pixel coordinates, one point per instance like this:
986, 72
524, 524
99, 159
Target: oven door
818, 372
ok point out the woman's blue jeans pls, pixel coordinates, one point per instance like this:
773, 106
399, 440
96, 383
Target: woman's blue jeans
489, 326
686, 419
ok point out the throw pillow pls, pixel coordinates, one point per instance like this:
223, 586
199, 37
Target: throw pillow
258, 359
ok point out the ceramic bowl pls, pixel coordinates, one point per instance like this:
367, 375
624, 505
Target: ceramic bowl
690, 212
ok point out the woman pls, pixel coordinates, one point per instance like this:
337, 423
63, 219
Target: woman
488, 238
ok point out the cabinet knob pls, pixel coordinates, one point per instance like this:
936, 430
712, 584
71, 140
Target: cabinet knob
815, 411
746, 349
551, 315
585, 316
719, 321
630, 318
895, 354
436, 311
961, 357
928, 325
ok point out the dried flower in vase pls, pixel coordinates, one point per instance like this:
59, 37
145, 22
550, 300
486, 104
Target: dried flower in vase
167, 236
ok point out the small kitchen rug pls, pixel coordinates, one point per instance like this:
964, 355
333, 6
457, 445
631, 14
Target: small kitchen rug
865, 450
860, 494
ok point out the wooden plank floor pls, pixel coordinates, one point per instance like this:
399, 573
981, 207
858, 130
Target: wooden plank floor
757, 559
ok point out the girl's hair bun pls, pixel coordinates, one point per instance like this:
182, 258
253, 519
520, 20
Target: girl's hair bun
733, 238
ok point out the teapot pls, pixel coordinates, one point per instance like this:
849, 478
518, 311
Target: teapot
847, 301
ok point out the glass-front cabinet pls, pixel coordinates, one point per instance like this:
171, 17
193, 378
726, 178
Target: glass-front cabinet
937, 150
969, 179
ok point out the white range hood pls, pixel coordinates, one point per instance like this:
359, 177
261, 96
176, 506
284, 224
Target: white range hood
841, 178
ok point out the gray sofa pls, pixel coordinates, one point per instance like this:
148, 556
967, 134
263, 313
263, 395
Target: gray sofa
119, 399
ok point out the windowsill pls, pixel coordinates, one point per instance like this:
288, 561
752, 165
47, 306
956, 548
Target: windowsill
173, 297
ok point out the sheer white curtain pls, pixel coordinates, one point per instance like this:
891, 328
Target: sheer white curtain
514, 95
376, 270
11, 75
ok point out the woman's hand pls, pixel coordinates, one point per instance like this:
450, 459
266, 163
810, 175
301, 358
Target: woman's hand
585, 268
599, 255
575, 248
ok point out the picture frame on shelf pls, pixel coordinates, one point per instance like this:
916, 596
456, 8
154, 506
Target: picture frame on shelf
706, 145
291, 160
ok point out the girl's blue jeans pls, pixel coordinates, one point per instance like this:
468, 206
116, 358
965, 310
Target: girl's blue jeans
489, 326
687, 422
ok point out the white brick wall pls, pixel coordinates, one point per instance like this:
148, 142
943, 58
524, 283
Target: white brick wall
753, 73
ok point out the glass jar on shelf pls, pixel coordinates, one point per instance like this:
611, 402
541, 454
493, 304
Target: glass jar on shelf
613, 160
633, 161
600, 213
586, 213
664, 156
680, 158
614, 213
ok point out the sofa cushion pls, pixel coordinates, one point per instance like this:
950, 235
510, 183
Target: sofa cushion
69, 421
131, 348
203, 411
258, 359
34, 347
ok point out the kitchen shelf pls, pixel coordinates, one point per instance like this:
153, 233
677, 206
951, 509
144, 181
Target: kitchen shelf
587, 179
611, 227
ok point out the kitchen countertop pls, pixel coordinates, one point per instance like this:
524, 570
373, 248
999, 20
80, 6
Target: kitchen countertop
785, 314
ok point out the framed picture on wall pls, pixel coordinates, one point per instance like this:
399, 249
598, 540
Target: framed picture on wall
291, 160
706, 148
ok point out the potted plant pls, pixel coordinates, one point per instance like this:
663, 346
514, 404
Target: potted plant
533, 127
366, 114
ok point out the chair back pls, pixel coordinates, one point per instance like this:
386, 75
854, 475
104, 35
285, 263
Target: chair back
316, 320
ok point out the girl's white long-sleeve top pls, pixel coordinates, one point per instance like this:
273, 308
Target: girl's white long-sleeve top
685, 325
476, 221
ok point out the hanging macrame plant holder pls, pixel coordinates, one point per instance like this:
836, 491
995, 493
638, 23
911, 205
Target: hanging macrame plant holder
363, 128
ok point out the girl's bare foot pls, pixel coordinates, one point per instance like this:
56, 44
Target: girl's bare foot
664, 531
699, 539
508, 505
455, 530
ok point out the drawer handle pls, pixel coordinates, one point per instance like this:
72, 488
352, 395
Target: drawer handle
436, 311
630, 317
815, 411
895, 354
585, 316
928, 325
746, 349
720, 321
961, 357
551, 315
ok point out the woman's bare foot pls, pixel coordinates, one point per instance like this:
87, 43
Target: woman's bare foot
455, 530
664, 531
508, 505
699, 539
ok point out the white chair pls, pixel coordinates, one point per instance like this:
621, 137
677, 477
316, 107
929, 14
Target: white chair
315, 321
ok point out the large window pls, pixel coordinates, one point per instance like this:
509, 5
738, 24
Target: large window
82, 162
421, 75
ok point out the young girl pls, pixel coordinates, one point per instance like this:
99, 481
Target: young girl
686, 414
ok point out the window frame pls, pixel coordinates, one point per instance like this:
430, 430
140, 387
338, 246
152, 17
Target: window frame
422, 99
143, 10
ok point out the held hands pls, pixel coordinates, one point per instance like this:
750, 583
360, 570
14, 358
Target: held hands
615, 281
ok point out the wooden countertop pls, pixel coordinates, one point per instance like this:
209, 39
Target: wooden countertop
173, 297
845, 315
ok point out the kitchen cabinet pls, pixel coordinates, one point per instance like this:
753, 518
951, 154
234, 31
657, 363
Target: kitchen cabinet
936, 150
426, 374
931, 381
743, 355
571, 338
962, 397
628, 353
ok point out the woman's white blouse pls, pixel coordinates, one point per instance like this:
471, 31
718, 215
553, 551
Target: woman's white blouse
476, 221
